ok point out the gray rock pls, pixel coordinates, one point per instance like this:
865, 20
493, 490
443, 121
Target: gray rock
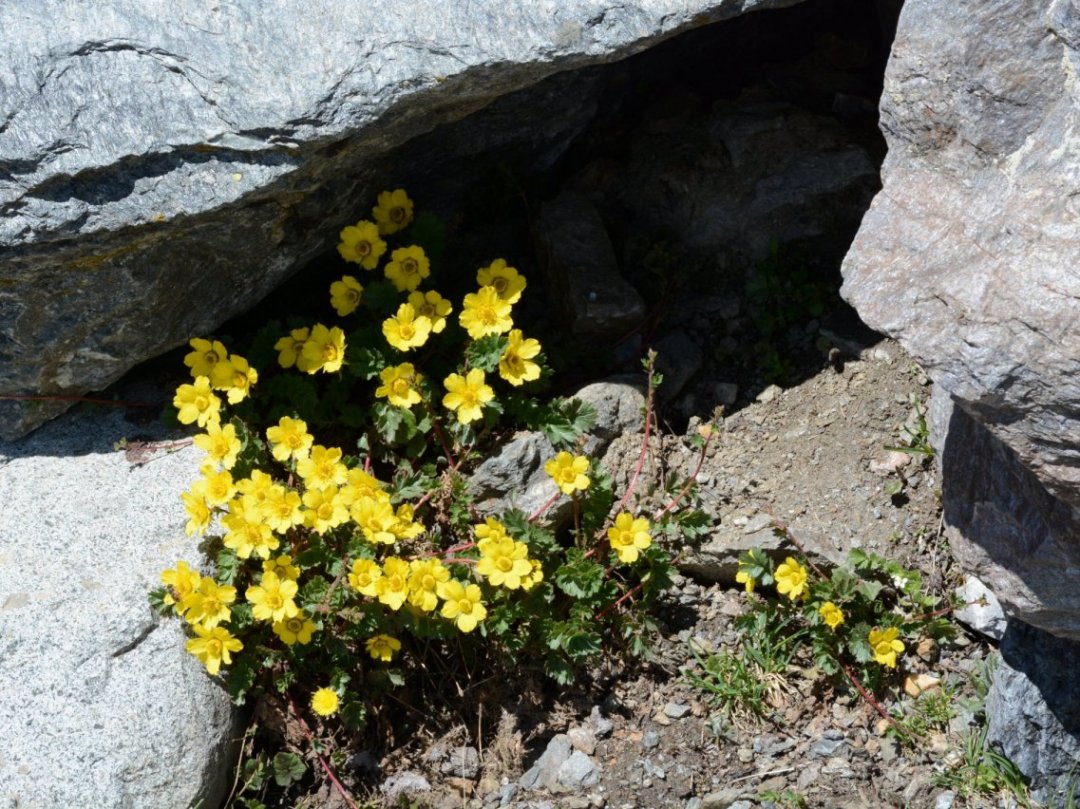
981, 611
1033, 708
544, 774
650, 740
721, 798
583, 739
755, 172
408, 783
577, 772
461, 762
968, 256
507, 793
620, 409
830, 744
583, 274
602, 726
100, 704
1004, 526
945, 800
676, 710
157, 175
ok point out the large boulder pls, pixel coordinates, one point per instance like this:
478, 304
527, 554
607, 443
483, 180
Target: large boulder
100, 705
164, 164
969, 254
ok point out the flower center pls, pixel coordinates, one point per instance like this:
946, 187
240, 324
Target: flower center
504, 563
274, 601
409, 266
407, 331
465, 606
400, 387
330, 352
500, 284
294, 625
397, 214
487, 316
202, 402
363, 248
213, 647
211, 357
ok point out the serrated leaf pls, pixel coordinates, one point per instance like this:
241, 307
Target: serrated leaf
564, 421
558, 670
539, 540
580, 646
227, 566
579, 577
365, 361
485, 352
288, 768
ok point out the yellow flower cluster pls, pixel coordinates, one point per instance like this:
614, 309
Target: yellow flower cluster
420, 583
505, 562
316, 349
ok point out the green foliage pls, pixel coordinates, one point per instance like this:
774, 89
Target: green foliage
983, 772
858, 619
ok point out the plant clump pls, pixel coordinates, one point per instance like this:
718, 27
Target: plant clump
344, 549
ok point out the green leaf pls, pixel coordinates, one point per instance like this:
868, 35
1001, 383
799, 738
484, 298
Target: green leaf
579, 577
693, 523
383, 299
227, 566
538, 540
581, 646
364, 361
558, 670
240, 678
485, 352
288, 768
292, 392
597, 500
157, 602
563, 421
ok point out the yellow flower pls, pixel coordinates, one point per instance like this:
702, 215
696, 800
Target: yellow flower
382, 647
628, 536
358, 485
197, 403
297, 629
206, 355
490, 530
208, 604
407, 267
247, 533
397, 385
831, 614
283, 567
405, 330
289, 439
425, 578
515, 363
290, 347
504, 562
393, 212
197, 510
325, 702
345, 295
181, 581
485, 313
363, 577
256, 486
322, 468
393, 587
376, 519
508, 282
404, 528
272, 598
280, 509
323, 351
360, 244
742, 577
568, 472
534, 577
213, 647
885, 645
790, 578
219, 486
220, 444
235, 377
467, 395
324, 509
433, 306
463, 605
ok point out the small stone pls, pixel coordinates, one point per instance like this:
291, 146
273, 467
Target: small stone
578, 771
662, 719
602, 726
507, 793
651, 740
981, 610
693, 803
583, 739
676, 710
405, 783
770, 393
927, 650
463, 785
827, 746
462, 762
544, 774
745, 754
944, 800
721, 799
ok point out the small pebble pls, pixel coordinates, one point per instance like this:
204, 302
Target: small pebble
651, 740
676, 710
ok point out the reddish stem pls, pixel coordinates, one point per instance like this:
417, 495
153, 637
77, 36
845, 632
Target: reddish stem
329, 772
536, 515
645, 441
689, 482
866, 695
